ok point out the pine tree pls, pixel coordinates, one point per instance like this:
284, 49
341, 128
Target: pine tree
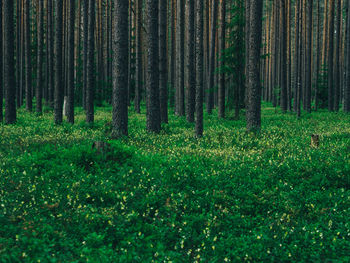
40, 46
190, 67
70, 62
28, 61
163, 69
120, 71
90, 68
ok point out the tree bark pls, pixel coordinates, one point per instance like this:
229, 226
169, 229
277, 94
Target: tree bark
337, 58
39, 84
180, 60
28, 63
138, 87
90, 64
163, 62
70, 73
254, 94
153, 105
120, 70
221, 91
191, 76
199, 68
308, 56
331, 57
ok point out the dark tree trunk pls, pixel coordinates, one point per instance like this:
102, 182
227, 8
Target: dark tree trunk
210, 100
39, 83
18, 55
180, 44
90, 86
191, 76
120, 70
58, 63
283, 39
70, 73
331, 57
199, 68
221, 91
337, 58
85, 48
28, 63
347, 61
254, 94
318, 38
153, 105
308, 56
138, 86
163, 69
1, 68
9, 63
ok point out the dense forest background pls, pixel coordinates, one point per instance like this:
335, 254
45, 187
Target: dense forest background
89, 53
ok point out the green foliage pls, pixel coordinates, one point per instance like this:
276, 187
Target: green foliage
227, 197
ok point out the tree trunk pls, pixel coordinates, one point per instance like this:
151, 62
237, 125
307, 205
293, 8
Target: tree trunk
284, 93
180, 44
1, 67
153, 105
254, 87
90, 64
9, 63
163, 63
120, 70
221, 91
191, 76
70, 73
210, 100
199, 68
347, 61
331, 57
28, 63
308, 56
39, 83
337, 59
138, 87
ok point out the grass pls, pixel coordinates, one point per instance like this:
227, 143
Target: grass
228, 197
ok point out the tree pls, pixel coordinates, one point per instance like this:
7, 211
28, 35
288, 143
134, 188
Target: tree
180, 31
308, 56
138, 85
210, 98
120, 71
347, 62
190, 76
153, 106
70, 73
28, 62
163, 69
50, 53
1, 68
222, 39
199, 68
331, 56
39, 83
58, 107
254, 94
85, 48
337, 58
90, 64
9, 63
283, 39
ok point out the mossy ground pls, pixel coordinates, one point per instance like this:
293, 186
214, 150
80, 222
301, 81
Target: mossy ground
227, 197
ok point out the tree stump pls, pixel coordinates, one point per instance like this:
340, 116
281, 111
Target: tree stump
101, 147
315, 140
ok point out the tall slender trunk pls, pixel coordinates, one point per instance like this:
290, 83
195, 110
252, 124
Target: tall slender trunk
221, 91
1, 67
199, 68
138, 86
120, 70
210, 98
318, 38
191, 76
308, 56
39, 83
28, 63
58, 63
85, 48
331, 57
153, 105
284, 91
180, 59
70, 62
337, 58
90, 85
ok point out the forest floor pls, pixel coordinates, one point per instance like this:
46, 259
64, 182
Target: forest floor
228, 197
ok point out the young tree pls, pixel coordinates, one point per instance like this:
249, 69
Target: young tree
120, 71
254, 86
190, 76
90, 64
199, 68
9, 63
40, 46
163, 62
153, 107
70, 62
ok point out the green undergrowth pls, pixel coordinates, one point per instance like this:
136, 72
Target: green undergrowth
227, 197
